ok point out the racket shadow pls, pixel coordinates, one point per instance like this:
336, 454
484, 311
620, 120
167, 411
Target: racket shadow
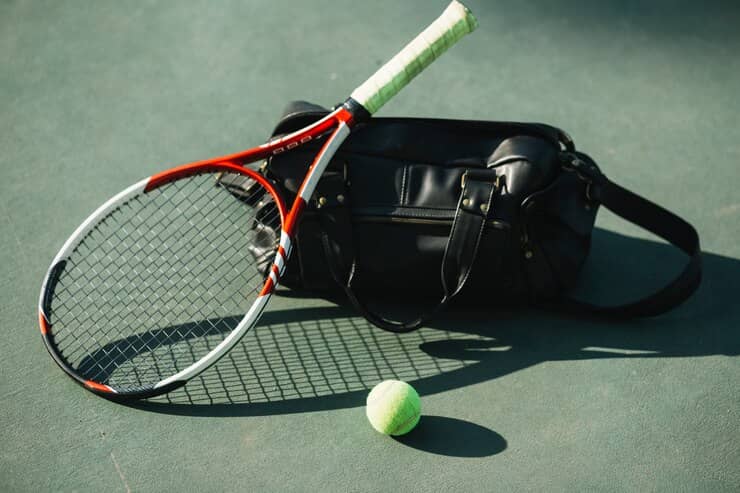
309, 359
322, 358
104, 362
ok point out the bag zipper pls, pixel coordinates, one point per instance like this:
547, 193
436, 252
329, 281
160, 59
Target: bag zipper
494, 223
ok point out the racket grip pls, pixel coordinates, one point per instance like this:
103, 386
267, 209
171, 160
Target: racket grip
454, 23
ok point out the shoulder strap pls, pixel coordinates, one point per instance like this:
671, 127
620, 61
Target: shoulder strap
654, 219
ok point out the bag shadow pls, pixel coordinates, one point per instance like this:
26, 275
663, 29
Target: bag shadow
322, 358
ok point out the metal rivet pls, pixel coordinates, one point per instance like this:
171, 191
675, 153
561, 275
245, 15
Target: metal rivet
528, 254
484, 207
466, 202
322, 201
340, 198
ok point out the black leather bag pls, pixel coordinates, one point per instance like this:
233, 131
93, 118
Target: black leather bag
429, 210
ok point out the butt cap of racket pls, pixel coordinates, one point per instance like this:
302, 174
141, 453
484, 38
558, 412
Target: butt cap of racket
454, 23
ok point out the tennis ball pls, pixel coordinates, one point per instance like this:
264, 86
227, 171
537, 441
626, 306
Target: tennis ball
393, 407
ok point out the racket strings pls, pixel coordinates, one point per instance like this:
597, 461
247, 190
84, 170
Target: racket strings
161, 280
177, 334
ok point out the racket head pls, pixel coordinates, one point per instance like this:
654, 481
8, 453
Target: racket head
154, 286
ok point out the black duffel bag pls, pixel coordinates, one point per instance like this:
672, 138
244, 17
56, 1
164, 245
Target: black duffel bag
426, 209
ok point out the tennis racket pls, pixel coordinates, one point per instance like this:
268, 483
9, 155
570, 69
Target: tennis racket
164, 278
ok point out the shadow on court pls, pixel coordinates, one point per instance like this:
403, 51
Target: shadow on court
453, 437
325, 358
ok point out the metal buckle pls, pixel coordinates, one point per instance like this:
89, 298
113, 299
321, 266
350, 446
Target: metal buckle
585, 171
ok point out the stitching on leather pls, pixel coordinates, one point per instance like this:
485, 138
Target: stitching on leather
403, 184
477, 242
447, 248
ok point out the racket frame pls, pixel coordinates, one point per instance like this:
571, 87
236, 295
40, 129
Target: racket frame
59, 262
338, 122
454, 23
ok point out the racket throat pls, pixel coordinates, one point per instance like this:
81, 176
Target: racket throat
358, 112
317, 168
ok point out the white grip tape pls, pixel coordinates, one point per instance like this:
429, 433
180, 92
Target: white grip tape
454, 23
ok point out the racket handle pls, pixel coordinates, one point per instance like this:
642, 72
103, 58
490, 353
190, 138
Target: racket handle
454, 23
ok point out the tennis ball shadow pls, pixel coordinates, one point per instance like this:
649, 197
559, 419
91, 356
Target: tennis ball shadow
453, 437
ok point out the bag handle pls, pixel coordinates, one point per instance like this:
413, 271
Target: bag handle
652, 218
473, 208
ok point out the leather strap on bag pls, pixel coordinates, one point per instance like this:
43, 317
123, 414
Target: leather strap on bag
473, 209
652, 218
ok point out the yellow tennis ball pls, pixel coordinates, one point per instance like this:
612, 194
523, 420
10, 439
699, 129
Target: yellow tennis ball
393, 407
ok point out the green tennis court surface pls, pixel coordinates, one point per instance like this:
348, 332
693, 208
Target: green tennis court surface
96, 95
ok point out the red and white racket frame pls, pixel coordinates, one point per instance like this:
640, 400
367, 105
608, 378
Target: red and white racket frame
454, 23
337, 125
